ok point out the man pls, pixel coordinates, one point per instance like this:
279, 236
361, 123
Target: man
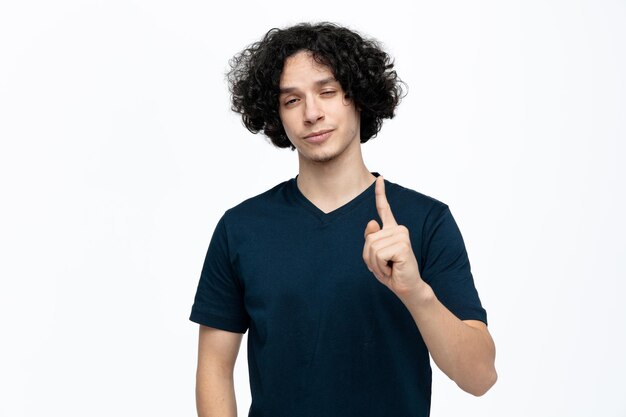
346, 281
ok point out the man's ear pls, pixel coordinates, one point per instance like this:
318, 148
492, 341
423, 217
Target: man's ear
347, 100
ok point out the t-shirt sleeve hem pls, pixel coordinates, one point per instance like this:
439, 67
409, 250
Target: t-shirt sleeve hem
218, 322
484, 320
472, 316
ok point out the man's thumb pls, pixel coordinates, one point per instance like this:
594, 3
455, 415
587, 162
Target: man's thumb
372, 227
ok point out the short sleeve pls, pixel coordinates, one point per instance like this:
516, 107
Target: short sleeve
447, 268
219, 297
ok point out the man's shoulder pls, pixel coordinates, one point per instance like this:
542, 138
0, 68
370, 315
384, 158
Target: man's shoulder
260, 203
406, 198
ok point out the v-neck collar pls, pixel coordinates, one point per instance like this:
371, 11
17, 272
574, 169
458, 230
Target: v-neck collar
326, 218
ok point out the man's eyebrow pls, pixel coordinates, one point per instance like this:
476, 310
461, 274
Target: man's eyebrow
319, 83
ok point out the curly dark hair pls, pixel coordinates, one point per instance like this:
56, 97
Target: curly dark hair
364, 71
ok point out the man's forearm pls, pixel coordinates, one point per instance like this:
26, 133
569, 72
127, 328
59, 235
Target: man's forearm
464, 353
215, 396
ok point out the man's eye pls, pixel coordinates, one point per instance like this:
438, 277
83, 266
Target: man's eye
293, 100
330, 92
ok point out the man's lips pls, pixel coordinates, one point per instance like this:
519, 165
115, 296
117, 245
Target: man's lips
318, 136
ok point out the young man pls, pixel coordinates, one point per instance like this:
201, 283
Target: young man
346, 281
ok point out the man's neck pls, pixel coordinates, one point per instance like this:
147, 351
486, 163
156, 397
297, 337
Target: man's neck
332, 184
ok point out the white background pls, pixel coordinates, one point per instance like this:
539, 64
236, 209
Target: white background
119, 154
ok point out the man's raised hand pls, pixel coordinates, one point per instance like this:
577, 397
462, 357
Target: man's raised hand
387, 252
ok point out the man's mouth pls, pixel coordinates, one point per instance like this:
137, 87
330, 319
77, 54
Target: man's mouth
318, 136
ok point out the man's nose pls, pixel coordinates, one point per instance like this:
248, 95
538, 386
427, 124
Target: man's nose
312, 111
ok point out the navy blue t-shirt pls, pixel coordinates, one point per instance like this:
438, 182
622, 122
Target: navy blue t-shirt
325, 337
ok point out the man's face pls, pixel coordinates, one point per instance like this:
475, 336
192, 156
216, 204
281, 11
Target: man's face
312, 101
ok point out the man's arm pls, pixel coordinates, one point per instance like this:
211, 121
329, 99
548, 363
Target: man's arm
463, 350
215, 389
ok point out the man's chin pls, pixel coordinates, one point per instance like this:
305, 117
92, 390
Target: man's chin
316, 157
320, 158
324, 159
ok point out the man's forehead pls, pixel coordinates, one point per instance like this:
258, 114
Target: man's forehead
287, 87
303, 68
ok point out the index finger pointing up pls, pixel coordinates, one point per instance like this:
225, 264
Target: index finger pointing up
382, 205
